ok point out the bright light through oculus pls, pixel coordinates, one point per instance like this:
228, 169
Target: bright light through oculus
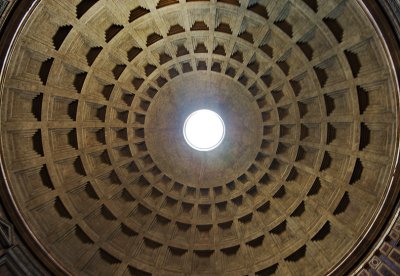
204, 130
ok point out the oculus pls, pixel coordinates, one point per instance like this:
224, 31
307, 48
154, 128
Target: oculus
204, 130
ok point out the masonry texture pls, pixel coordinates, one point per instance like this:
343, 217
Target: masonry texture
94, 94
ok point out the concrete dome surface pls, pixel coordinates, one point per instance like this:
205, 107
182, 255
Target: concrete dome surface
98, 177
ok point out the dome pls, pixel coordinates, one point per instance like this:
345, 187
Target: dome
101, 177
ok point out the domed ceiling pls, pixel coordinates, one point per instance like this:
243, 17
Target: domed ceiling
94, 98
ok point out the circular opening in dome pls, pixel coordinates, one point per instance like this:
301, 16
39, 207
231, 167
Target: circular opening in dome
204, 130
